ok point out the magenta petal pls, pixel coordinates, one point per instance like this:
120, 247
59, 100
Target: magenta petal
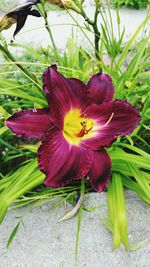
100, 170
47, 84
100, 89
62, 162
113, 119
30, 123
79, 91
63, 94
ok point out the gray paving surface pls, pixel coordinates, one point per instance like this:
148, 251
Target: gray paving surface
46, 243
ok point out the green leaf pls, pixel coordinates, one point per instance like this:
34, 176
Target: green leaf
132, 185
79, 218
3, 130
122, 57
140, 178
13, 233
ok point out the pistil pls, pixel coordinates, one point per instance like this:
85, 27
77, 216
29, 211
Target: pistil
109, 120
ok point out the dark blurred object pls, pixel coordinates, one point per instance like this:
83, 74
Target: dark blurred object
19, 16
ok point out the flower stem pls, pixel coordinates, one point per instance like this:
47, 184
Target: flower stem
44, 13
94, 25
97, 33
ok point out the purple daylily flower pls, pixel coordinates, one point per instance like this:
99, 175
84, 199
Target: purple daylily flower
79, 122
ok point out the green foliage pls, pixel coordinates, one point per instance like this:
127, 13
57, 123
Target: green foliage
117, 213
131, 3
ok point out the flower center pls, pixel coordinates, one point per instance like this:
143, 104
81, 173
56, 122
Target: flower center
76, 127
84, 127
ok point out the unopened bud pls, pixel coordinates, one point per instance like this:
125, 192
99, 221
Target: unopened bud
6, 22
62, 3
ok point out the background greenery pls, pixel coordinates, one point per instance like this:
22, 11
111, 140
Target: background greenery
131, 3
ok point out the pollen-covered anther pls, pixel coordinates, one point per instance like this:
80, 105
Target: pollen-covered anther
84, 130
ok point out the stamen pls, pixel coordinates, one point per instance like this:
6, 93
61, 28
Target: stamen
84, 130
88, 130
109, 120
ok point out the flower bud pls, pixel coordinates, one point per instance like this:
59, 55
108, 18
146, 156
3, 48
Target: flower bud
62, 3
6, 22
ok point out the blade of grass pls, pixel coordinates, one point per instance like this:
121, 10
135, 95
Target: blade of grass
13, 234
79, 219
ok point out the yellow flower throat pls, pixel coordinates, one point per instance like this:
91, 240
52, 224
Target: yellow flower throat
77, 128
